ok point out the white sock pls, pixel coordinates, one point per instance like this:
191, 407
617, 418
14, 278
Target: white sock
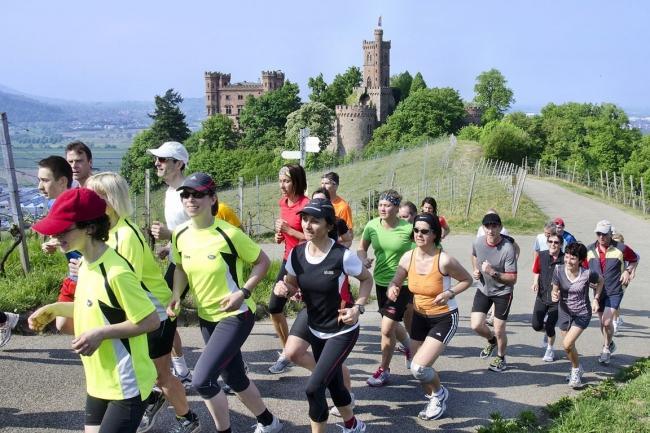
180, 366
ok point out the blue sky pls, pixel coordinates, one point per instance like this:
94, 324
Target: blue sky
550, 51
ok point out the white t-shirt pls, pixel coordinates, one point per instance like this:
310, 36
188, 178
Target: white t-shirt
174, 212
540, 243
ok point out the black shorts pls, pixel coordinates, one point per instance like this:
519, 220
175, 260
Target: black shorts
441, 327
115, 416
277, 303
483, 303
300, 327
162, 339
609, 301
393, 310
566, 320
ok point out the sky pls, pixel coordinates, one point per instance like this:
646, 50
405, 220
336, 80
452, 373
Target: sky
549, 51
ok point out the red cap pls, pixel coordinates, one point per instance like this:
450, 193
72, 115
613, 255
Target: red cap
559, 221
74, 205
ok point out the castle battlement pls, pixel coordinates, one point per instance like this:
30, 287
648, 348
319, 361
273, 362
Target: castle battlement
273, 74
357, 110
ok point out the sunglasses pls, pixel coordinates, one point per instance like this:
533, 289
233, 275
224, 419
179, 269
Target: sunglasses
599, 234
553, 242
193, 194
421, 231
163, 159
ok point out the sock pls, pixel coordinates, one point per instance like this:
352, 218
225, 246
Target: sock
351, 422
180, 366
228, 430
189, 415
503, 357
493, 340
265, 418
439, 393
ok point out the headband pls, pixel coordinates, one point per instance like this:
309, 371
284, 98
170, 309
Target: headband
390, 198
284, 171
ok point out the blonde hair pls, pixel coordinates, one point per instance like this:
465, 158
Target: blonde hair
115, 189
618, 237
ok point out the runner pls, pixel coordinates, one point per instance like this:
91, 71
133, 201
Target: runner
541, 243
618, 320
321, 268
559, 228
545, 312
571, 288
390, 238
342, 210
429, 205
209, 254
408, 211
80, 158
127, 239
341, 232
495, 268
293, 184
111, 315
435, 319
607, 258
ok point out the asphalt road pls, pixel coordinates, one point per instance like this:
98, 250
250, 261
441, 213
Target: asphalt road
42, 384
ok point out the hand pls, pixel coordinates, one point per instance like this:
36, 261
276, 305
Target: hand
297, 296
555, 295
625, 277
535, 287
368, 262
162, 252
279, 237
442, 298
88, 342
160, 231
40, 318
594, 306
281, 226
349, 316
73, 268
476, 274
50, 246
174, 307
393, 293
232, 302
281, 289
486, 267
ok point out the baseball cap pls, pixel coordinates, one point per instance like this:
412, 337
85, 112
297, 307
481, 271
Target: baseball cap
558, 221
603, 226
74, 205
319, 208
198, 182
491, 218
171, 149
334, 177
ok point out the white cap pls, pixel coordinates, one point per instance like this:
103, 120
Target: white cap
603, 226
171, 149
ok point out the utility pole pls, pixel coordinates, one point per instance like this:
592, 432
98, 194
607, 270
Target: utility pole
14, 198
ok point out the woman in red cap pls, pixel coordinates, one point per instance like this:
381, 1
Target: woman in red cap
111, 313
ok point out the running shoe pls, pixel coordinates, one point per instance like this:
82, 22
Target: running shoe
7, 327
151, 413
335, 410
359, 427
186, 425
274, 427
605, 356
436, 406
612, 347
544, 341
549, 355
487, 350
408, 357
497, 364
575, 379
567, 378
379, 378
281, 365
186, 380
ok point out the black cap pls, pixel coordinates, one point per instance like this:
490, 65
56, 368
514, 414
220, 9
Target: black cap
198, 182
491, 218
319, 208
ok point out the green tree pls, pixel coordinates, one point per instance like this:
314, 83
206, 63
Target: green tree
337, 92
417, 83
263, 119
427, 113
136, 160
217, 132
492, 94
638, 165
401, 83
168, 119
313, 115
505, 141
318, 88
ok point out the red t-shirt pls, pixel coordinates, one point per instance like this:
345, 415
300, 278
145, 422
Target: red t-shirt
443, 222
290, 215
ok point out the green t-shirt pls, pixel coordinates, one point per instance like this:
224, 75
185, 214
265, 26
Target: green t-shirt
108, 292
127, 239
213, 269
389, 247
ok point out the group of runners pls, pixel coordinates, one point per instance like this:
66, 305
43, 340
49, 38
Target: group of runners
122, 311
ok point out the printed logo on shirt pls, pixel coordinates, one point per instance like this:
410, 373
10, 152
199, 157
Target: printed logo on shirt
328, 272
89, 303
185, 256
211, 257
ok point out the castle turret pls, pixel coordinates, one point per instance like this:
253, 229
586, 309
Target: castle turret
272, 80
353, 127
214, 82
376, 66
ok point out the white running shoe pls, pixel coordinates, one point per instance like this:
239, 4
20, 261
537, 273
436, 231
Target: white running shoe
360, 427
379, 377
575, 380
549, 355
436, 406
274, 427
7, 327
567, 378
335, 410
185, 380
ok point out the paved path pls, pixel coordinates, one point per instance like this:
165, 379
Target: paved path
42, 386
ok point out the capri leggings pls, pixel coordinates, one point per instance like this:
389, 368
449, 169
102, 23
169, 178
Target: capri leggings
541, 310
222, 355
115, 416
3, 317
329, 354
277, 303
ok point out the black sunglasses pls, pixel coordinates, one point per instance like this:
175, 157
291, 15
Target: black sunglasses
193, 194
163, 159
421, 231
554, 242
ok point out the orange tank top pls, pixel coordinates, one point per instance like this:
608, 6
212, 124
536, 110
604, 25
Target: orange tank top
425, 287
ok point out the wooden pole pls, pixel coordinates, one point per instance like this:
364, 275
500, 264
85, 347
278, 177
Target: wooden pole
241, 200
470, 194
14, 196
609, 195
147, 207
632, 194
643, 196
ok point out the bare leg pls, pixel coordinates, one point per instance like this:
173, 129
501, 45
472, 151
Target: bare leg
218, 408
606, 325
252, 399
426, 355
387, 341
502, 337
477, 322
569, 343
171, 386
177, 348
296, 351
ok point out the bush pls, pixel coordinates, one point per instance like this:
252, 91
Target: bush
470, 133
505, 141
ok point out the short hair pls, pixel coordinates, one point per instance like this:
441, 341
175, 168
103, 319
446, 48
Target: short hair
101, 227
618, 237
576, 249
555, 235
434, 224
115, 189
79, 147
413, 209
298, 178
321, 191
551, 226
432, 202
58, 166
332, 176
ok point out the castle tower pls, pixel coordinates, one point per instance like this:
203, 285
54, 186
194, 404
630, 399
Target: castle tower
272, 80
376, 65
214, 82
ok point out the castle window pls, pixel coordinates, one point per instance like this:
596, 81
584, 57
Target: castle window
369, 129
208, 97
239, 108
228, 109
240, 97
227, 97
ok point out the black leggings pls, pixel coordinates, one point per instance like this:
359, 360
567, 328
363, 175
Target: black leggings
277, 303
540, 310
3, 317
222, 355
115, 416
329, 354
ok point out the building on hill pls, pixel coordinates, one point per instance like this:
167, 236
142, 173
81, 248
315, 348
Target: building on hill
224, 97
374, 100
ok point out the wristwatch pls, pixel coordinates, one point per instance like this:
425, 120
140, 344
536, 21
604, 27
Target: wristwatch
496, 275
362, 309
247, 293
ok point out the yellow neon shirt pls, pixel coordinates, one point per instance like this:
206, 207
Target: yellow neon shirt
226, 213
